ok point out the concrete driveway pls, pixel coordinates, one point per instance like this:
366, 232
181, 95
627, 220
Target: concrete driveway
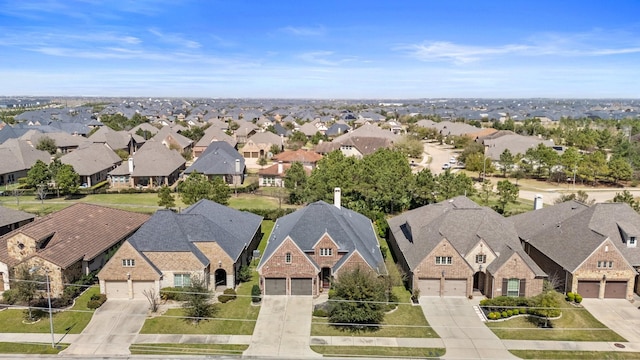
283, 328
464, 334
619, 315
113, 327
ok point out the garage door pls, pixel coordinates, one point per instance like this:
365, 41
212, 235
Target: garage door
301, 287
429, 287
275, 286
455, 287
589, 289
615, 289
117, 290
140, 286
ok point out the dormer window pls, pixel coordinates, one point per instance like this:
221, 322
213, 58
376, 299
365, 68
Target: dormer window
632, 241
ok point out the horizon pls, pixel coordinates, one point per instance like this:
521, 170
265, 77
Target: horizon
320, 51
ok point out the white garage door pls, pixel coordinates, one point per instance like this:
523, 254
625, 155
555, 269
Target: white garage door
455, 287
140, 286
429, 287
117, 290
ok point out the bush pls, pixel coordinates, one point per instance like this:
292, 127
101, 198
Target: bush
571, 296
256, 294
509, 313
173, 293
244, 274
270, 214
96, 301
578, 298
516, 312
228, 295
9, 297
320, 312
504, 314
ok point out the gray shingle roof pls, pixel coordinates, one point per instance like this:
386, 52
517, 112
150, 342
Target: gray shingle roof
152, 159
350, 230
91, 159
11, 216
219, 158
17, 155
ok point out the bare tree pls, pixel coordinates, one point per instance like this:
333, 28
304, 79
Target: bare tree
153, 298
554, 282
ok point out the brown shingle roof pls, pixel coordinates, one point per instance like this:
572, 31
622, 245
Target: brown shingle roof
300, 155
80, 232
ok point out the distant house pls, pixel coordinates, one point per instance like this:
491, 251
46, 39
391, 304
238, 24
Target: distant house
212, 134
591, 250
152, 166
117, 140
456, 247
12, 219
309, 159
360, 142
495, 144
315, 244
92, 162
259, 144
17, 158
222, 160
65, 142
274, 175
68, 243
207, 240
170, 138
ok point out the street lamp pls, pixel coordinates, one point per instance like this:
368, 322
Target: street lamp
46, 273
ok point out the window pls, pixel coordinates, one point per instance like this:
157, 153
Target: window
481, 259
181, 280
287, 258
603, 264
444, 260
513, 287
326, 252
128, 262
632, 241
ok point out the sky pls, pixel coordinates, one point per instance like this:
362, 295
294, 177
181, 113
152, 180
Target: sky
345, 49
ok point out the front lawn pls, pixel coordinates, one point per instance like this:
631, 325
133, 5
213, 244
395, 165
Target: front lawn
71, 321
575, 324
237, 317
378, 351
30, 348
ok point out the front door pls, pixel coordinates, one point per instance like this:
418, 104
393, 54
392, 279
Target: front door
326, 277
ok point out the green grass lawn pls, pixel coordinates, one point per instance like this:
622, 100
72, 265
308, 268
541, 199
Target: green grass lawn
576, 324
187, 349
71, 321
237, 317
562, 355
378, 351
267, 227
31, 348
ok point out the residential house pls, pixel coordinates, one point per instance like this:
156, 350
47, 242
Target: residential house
170, 138
259, 144
17, 158
152, 166
67, 244
117, 140
313, 245
12, 219
275, 174
220, 159
495, 144
456, 247
92, 162
309, 159
212, 134
65, 142
360, 142
207, 240
591, 250
245, 130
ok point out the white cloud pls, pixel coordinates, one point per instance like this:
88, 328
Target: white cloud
175, 39
304, 31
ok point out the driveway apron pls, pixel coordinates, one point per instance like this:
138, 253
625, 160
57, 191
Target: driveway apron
464, 335
283, 328
619, 315
113, 327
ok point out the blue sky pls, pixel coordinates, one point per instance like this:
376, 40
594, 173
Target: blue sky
321, 49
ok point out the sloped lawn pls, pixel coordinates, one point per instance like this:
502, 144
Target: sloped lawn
236, 317
71, 321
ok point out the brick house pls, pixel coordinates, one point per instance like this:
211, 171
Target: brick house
220, 160
207, 240
69, 243
589, 250
456, 247
309, 247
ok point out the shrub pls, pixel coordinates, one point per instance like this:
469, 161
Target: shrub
571, 296
96, 301
516, 312
509, 313
173, 293
320, 313
256, 294
415, 295
504, 314
228, 295
492, 316
497, 315
9, 297
244, 274
578, 298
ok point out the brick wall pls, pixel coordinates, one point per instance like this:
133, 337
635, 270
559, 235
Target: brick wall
219, 260
326, 242
21, 246
515, 268
113, 269
547, 265
480, 249
300, 266
355, 261
459, 269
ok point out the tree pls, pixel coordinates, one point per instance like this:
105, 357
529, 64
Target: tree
626, 197
450, 185
580, 196
507, 193
472, 148
570, 159
262, 161
620, 169
487, 189
197, 306
410, 147
195, 187
47, 144
275, 149
385, 176
220, 191
424, 188
24, 287
295, 180
358, 299
165, 198
593, 165
507, 160
38, 174
67, 180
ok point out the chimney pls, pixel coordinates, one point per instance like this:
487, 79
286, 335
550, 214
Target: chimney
537, 202
237, 166
336, 197
131, 167
280, 167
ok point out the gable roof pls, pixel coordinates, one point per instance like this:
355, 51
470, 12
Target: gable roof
204, 221
91, 159
152, 159
350, 230
219, 158
78, 232
212, 134
300, 155
10, 216
18, 155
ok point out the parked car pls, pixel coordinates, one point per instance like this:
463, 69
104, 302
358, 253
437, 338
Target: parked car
453, 160
446, 166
